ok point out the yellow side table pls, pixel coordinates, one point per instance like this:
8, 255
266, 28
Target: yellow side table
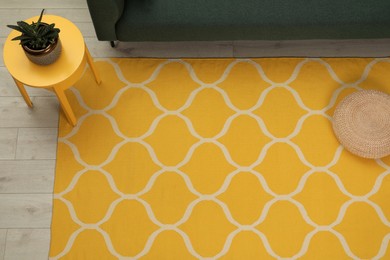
58, 76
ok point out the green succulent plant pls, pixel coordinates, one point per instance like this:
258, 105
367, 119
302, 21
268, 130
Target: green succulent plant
36, 36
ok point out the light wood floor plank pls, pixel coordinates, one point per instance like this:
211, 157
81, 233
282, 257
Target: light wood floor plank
313, 48
7, 85
27, 176
10, 16
3, 233
2, 40
44, 3
8, 137
15, 113
9, 89
101, 49
37, 143
25, 210
86, 29
305, 48
27, 244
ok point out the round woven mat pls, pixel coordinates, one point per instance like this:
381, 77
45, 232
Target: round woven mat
361, 123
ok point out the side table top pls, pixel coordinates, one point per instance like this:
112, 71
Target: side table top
61, 71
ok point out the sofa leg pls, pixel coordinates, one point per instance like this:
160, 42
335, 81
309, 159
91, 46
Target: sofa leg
112, 43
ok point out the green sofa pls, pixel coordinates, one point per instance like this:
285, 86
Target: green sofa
214, 20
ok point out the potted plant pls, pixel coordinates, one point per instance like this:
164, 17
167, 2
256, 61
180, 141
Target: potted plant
40, 41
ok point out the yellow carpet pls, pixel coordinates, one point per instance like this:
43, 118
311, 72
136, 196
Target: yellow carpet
218, 159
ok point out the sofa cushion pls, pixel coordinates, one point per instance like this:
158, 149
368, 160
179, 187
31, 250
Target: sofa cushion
159, 20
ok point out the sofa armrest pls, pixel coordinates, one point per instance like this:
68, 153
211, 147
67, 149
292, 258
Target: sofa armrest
105, 14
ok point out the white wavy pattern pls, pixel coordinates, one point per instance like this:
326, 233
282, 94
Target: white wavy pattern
224, 150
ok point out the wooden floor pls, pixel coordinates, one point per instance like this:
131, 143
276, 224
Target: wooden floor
28, 136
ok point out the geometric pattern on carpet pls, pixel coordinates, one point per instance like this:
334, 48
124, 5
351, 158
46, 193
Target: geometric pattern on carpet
218, 159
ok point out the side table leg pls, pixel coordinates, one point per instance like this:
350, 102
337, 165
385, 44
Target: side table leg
92, 66
65, 106
23, 92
